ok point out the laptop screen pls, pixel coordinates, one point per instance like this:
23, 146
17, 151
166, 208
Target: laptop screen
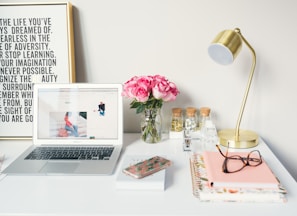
78, 113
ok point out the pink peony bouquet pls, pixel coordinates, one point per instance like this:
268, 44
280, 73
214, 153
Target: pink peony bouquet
149, 92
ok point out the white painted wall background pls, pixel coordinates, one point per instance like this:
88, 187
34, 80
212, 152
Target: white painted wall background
117, 39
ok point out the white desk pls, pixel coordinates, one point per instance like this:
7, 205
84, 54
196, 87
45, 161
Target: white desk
97, 195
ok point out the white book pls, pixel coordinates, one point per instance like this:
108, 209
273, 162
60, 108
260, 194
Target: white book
154, 182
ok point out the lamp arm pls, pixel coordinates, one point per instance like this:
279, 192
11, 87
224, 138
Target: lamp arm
252, 70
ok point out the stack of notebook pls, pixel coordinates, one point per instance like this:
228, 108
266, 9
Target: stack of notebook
251, 184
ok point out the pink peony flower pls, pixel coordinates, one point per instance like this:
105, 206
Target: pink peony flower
163, 89
149, 91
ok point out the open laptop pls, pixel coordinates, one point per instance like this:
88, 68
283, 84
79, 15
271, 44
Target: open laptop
75, 117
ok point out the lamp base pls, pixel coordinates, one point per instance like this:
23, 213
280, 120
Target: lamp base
246, 139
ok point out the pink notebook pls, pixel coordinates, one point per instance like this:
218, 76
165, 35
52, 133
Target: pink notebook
249, 177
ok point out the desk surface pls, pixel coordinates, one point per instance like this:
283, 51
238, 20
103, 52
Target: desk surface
97, 195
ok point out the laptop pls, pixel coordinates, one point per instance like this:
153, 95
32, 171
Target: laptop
77, 130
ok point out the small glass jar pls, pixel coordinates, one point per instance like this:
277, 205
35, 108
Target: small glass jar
191, 119
203, 116
177, 120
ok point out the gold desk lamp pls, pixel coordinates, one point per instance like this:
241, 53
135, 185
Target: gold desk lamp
223, 50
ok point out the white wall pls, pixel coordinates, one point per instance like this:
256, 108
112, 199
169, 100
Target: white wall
117, 39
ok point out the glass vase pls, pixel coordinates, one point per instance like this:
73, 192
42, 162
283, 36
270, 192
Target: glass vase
151, 125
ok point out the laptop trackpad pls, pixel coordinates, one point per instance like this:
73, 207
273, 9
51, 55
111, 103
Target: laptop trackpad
59, 167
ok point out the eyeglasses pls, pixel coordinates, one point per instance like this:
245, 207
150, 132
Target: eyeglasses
235, 163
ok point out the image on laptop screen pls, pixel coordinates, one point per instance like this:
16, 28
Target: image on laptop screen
78, 113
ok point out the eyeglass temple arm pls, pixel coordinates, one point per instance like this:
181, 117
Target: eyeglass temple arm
220, 151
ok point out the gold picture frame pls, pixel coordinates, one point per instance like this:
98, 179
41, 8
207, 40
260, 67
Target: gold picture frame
36, 46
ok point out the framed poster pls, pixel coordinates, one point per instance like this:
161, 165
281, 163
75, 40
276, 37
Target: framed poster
36, 46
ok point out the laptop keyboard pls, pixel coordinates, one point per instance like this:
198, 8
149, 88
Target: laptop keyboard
71, 153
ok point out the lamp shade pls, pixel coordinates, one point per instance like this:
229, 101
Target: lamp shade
225, 47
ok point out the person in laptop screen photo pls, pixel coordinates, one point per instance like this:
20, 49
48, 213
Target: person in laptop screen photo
71, 124
68, 124
101, 108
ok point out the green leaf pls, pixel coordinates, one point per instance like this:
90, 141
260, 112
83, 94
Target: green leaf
134, 104
149, 104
